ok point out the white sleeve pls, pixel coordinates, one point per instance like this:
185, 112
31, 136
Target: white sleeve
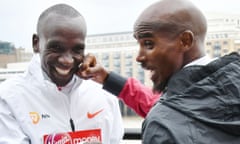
117, 128
10, 130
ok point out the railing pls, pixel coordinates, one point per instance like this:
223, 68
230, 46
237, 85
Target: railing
132, 133
132, 136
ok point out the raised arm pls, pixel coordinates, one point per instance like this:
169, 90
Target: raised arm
133, 93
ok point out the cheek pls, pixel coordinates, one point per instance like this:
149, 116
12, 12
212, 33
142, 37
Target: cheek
45, 66
78, 58
165, 65
176, 60
49, 59
172, 65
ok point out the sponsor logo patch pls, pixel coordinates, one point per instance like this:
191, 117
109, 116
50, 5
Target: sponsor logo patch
92, 136
36, 117
92, 115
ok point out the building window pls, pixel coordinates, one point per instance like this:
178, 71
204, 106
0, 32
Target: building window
117, 70
116, 63
216, 50
225, 50
105, 56
225, 35
128, 62
225, 42
209, 43
238, 50
105, 63
116, 55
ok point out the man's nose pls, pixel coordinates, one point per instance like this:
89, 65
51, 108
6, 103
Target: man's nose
140, 57
66, 59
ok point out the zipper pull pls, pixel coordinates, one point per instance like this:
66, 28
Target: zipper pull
72, 125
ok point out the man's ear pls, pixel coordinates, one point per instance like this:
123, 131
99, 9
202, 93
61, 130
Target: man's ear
186, 40
35, 43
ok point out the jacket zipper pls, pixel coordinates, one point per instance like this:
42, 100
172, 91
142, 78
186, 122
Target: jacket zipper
72, 124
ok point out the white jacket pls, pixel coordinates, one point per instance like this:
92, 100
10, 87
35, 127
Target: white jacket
31, 106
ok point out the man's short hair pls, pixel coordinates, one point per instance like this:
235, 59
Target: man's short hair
61, 9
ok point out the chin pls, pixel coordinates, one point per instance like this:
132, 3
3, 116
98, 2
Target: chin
156, 89
62, 80
159, 87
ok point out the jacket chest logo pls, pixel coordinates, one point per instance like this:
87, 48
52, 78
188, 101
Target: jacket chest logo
94, 114
36, 117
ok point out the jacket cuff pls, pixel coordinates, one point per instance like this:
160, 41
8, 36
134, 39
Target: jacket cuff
114, 83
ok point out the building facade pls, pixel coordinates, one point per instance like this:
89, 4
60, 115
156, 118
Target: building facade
117, 51
223, 34
10, 54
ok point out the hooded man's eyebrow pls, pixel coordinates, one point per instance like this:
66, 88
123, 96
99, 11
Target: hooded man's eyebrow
143, 35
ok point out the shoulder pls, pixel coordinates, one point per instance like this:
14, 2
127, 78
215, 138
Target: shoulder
15, 86
11, 84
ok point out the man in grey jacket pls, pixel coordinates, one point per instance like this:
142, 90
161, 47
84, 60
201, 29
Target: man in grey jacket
200, 101
201, 96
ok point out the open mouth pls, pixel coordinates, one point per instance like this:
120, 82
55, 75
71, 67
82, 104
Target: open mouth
151, 70
152, 74
63, 71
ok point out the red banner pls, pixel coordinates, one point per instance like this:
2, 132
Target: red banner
79, 137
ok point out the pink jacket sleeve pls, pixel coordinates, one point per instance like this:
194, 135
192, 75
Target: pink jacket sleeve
137, 96
132, 92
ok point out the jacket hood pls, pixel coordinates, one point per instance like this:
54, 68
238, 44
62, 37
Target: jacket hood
210, 94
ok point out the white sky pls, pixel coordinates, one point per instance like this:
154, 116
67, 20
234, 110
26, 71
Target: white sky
18, 18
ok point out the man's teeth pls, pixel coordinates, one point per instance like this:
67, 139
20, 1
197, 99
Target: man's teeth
62, 71
152, 72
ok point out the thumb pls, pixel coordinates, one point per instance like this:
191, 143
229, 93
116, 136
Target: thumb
89, 61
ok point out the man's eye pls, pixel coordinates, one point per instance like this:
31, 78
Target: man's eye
78, 50
56, 48
148, 44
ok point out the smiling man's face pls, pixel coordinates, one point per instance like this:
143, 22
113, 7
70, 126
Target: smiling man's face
61, 46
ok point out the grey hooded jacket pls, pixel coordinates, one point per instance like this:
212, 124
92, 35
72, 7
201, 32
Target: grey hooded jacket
200, 106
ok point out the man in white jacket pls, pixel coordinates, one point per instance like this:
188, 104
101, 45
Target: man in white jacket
49, 101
